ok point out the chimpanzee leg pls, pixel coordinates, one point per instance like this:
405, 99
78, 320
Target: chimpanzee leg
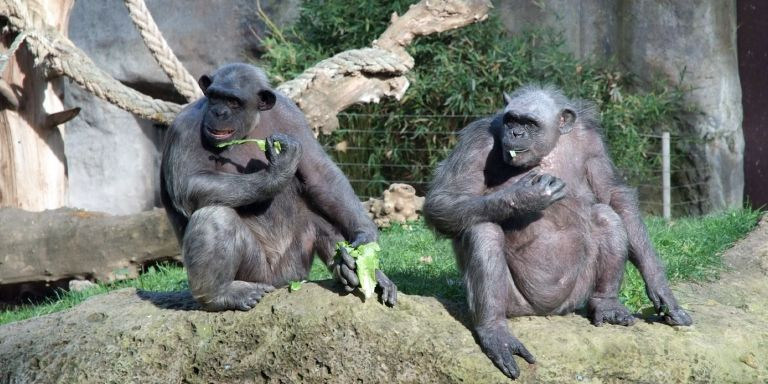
610, 238
215, 244
480, 253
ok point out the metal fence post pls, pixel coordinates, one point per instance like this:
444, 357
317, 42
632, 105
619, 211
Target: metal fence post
665, 177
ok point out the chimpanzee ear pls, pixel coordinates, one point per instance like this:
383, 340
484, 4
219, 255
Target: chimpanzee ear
204, 82
567, 121
507, 98
267, 100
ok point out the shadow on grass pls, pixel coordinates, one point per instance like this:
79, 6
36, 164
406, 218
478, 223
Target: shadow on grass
179, 300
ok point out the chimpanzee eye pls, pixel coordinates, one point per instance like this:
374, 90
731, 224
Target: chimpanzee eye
233, 103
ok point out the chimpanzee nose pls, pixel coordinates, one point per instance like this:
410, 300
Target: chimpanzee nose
518, 132
221, 112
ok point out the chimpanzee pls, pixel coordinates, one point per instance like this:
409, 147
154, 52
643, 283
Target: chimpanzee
250, 220
540, 221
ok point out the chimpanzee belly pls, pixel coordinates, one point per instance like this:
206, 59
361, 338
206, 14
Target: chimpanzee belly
282, 236
552, 259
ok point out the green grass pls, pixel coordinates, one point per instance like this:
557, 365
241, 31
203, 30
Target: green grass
163, 277
421, 264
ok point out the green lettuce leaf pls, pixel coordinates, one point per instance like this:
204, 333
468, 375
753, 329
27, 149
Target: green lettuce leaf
367, 260
261, 143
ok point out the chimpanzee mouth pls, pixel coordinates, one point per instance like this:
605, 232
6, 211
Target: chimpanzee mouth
514, 152
221, 134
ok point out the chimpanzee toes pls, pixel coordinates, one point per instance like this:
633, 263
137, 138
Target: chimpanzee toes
610, 311
678, 317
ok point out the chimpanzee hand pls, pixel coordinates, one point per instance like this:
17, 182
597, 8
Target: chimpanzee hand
287, 160
534, 192
344, 268
501, 346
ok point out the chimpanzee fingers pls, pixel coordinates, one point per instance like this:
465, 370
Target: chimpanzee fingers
528, 178
347, 259
350, 276
388, 288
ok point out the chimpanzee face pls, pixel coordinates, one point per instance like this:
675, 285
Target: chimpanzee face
236, 94
531, 125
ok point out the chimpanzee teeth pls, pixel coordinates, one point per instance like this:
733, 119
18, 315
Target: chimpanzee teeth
512, 153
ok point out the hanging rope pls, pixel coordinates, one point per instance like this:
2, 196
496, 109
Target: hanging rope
153, 38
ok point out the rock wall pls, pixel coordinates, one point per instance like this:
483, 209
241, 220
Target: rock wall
697, 39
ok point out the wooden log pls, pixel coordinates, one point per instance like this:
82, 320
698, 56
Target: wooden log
68, 243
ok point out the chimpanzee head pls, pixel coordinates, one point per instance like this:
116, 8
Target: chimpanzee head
532, 121
236, 94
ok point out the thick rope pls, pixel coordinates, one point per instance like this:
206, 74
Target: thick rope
6, 56
62, 57
153, 38
367, 61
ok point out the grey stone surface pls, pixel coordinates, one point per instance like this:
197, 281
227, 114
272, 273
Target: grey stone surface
699, 40
112, 156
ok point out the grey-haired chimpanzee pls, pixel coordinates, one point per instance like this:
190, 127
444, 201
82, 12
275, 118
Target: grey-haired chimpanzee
250, 220
541, 223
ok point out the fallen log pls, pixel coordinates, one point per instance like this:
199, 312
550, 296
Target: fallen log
68, 243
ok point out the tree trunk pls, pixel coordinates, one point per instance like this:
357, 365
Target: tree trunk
32, 162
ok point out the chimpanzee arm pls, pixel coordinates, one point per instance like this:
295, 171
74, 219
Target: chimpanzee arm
457, 198
330, 193
325, 186
609, 189
191, 185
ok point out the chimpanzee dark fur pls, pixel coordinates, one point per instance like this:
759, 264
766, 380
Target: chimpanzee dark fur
545, 229
248, 220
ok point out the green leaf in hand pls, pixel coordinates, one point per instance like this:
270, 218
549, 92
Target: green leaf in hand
367, 260
261, 143
295, 285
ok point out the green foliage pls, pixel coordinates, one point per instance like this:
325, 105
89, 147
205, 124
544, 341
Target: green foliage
691, 249
366, 261
163, 277
421, 264
460, 75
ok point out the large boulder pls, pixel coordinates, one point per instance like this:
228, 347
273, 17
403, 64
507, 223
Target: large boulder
319, 335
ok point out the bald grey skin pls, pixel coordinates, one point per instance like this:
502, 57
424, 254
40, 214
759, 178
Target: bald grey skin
250, 220
545, 229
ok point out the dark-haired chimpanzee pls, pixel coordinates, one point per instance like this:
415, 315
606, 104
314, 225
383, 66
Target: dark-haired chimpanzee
251, 220
541, 223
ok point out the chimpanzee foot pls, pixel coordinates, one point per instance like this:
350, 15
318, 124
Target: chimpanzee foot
501, 346
609, 310
388, 289
239, 295
677, 316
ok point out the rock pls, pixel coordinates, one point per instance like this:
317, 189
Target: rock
81, 285
317, 334
399, 204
